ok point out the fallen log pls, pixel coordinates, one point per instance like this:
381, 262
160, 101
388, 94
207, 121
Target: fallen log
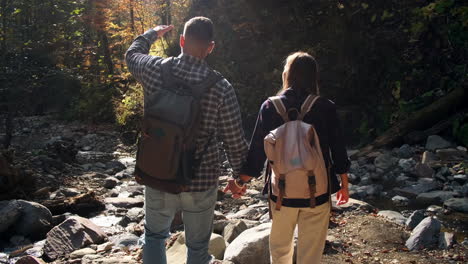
420, 120
82, 204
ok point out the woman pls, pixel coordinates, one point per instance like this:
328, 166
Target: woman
300, 79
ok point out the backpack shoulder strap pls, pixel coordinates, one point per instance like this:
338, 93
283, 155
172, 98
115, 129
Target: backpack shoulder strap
198, 89
280, 108
166, 66
307, 105
210, 80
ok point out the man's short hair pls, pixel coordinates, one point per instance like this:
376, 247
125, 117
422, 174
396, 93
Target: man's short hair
199, 29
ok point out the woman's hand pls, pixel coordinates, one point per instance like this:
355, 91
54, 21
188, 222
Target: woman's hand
342, 196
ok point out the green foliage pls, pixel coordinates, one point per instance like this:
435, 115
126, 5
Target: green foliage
129, 110
460, 129
93, 104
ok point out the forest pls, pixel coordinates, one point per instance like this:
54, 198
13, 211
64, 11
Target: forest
70, 114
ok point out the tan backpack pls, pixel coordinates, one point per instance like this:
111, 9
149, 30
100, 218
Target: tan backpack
293, 150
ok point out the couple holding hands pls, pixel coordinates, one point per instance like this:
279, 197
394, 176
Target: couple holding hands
297, 127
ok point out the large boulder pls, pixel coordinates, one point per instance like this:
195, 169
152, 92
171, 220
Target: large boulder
451, 154
177, 253
436, 142
423, 170
393, 216
457, 204
414, 219
35, 220
233, 230
425, 235
247, 213
29, 260
434, 197
10, 212
414, 190
251, 246
72, 234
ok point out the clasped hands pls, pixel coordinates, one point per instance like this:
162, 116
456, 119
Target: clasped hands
236, 187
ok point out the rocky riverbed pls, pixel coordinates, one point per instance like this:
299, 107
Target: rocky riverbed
71, 198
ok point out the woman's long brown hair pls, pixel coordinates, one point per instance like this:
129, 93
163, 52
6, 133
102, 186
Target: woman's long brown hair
301, 73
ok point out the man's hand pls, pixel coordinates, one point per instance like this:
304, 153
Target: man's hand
236, 190
163, 29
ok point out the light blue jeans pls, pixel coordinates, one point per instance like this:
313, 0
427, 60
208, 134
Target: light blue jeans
197, 212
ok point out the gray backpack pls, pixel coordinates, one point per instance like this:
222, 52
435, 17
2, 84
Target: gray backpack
167, 145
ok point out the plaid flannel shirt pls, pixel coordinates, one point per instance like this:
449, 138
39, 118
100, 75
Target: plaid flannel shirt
220, 113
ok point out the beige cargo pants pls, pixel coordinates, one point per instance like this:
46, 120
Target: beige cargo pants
312, 224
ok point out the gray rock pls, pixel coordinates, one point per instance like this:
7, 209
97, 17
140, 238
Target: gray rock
457, 204
265, 218
125, 174
436, 142
407, 164
115, 165
446, 240
353, 178
393, 216
82, 252
451, 154
405, 151
460, 178
69, 192
423, 170
233, 230
425, 234
133, 215
35, 221
374, 190
429, 158
124, 202
247, 213
128, 161
414, 219
366, 179
178, 252
402, 179
110, 182
434, 209
400, 200
124, 240
219, 225
384, 161
414, 190
251, 246
10, 212
461, 148
217, 246
27, 260
74, 233
434, 197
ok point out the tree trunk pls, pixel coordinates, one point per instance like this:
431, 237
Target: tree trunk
166, 18
4, 27
132, 18
106, 51
420, 120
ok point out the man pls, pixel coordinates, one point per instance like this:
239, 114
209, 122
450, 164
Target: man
220, 121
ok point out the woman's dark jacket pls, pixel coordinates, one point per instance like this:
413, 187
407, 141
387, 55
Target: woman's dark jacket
323, 117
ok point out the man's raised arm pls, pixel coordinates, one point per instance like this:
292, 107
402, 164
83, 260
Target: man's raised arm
137, 57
